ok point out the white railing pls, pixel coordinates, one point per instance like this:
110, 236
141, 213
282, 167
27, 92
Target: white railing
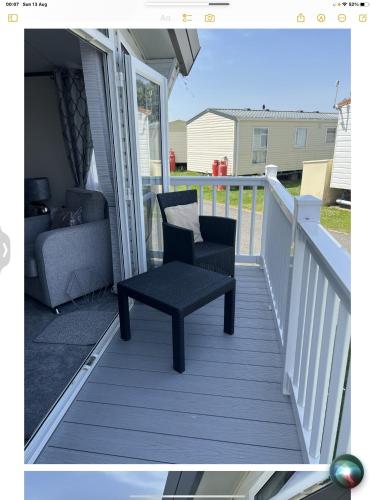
276, 244
317, 363
308, 275
248, 232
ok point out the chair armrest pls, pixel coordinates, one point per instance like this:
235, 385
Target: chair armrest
36, 225
178, 244
63, 251
218, 229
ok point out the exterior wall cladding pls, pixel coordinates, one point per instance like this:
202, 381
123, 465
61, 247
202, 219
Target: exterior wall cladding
211, 136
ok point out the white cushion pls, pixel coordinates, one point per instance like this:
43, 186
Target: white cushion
185, 216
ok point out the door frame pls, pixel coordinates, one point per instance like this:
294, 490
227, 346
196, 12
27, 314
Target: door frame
122, 153
133, 68
109, 46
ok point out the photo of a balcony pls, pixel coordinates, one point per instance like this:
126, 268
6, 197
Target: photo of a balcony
160, 485
254, 364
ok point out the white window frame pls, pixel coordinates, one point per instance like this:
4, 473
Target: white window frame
296, 145
254, 150
334, 140
136, 67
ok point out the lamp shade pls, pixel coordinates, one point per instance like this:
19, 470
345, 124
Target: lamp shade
36, 189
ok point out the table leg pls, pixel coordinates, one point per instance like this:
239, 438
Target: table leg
178, 343
229, 311
123, 307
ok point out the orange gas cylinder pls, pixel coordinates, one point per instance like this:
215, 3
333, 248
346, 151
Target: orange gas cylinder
172, 161
223, 171
215, 168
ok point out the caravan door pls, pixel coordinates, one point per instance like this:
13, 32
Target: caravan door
148, 115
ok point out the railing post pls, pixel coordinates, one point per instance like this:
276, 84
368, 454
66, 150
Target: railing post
306, 208
271, 173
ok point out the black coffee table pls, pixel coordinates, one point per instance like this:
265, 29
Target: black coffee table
177, 289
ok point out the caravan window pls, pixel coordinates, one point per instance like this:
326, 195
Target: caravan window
331, 135
300, 137
260, 143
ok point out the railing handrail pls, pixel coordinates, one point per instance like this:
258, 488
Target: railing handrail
316, 327
331, 256
244, 180
282, 195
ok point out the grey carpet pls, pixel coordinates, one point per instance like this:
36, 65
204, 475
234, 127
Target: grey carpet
82, 327
50, 367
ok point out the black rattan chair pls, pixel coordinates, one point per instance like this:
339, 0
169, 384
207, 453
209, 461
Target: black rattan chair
217, 250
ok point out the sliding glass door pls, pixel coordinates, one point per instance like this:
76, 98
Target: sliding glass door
147, 91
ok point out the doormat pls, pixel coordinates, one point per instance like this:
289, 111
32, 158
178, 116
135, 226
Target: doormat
77, 328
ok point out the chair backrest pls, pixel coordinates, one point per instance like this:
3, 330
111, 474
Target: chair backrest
93, 203
176, 198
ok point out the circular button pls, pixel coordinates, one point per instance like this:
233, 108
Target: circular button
346, 471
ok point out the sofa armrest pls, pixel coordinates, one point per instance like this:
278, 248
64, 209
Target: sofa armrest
178, 244
82, 253
36, 225
218, 229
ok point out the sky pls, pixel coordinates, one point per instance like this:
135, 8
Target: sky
92, 485
283, 69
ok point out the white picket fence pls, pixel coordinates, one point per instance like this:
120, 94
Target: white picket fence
308, 275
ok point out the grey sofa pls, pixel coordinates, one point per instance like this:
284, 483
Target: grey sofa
66, 263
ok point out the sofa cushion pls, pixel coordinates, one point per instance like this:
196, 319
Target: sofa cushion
92, 203
31, 268
185, 216
66, 217
215, 257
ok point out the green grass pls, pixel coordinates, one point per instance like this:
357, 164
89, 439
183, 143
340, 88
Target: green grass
335, 218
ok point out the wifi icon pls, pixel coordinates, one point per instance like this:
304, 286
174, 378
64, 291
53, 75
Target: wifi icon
344, 4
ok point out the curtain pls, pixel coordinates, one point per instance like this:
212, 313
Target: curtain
75, 122
92, 181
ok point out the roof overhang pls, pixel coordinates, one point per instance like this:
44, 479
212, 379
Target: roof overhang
303, 117
186, 45
156, 44
215, 112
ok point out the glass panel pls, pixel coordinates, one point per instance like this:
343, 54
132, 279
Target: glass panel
150, 165
260, 141
260, 138
259, 156
301, 135
331, 135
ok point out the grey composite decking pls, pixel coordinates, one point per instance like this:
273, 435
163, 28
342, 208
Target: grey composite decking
227, 407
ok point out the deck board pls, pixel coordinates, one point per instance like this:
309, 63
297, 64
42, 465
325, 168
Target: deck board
227, 407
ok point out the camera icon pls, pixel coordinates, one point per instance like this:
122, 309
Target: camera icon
209, 18
4, 249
